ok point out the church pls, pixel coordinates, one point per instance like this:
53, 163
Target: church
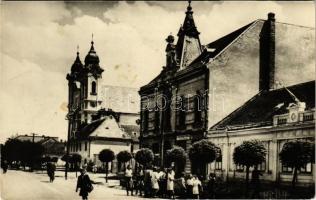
100, 116
202, 84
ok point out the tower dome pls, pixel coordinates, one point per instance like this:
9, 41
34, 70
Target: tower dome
77, 66
92, 57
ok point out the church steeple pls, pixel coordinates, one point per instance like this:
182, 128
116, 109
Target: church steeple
77, 66
189, 27
188, 45
92, 61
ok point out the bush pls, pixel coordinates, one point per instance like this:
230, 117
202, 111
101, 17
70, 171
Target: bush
144, 156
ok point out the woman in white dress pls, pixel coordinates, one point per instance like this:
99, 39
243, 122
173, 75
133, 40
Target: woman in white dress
170, 183
154, 182
196, 185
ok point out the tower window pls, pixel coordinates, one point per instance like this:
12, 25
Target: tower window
93, 88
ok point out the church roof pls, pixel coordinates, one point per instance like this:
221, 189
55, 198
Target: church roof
260, 109
106, 127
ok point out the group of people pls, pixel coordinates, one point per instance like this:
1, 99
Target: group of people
154, 182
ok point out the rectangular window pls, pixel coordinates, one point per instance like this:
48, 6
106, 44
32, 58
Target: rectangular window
79, 146
307, 168
181, 113
262, 166
287, 169
145, 120
157, 119
218, 165
240, 168
197, 108
85, 145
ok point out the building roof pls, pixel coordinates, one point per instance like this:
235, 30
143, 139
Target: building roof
106, 127
37, 138
262, 107
214, 48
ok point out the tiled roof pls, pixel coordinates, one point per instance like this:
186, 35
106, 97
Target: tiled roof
262, 107
218, 45
106, 127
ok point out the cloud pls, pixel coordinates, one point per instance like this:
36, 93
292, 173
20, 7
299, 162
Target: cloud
39, 42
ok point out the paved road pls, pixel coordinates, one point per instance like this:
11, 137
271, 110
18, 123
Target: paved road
16, 185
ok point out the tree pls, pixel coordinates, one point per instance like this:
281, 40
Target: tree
248, 154
144, 156
201, 153
178, 156
123, 157
297, 154
106, 156
76, 159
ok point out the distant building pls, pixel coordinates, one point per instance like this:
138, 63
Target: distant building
201, 84
100, 117
273, 117
53, 147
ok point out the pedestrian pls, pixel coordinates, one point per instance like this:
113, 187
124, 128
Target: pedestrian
211, 185
50, 167
154, 182
129, 180
162, 182
147, 182
196, 187
255, 179
189, 185
170, 183
139, 181
4, 166
84, 183
182, 186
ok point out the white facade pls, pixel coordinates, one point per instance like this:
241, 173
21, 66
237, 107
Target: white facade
273, 138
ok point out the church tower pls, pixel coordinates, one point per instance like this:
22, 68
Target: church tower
74, 96
90, 84
188, 45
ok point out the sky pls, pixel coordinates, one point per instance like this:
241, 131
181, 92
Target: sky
39, 43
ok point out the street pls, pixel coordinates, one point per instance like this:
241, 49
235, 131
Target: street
17, 185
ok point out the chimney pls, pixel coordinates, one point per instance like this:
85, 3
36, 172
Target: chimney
267, 54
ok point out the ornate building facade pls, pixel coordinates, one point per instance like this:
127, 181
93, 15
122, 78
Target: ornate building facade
201, 84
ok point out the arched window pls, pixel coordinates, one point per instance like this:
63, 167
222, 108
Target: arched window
93, 87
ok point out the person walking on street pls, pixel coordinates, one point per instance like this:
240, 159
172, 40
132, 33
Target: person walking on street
51, 167
85, 184
170, 183
129, 180
4, 166
196, 187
